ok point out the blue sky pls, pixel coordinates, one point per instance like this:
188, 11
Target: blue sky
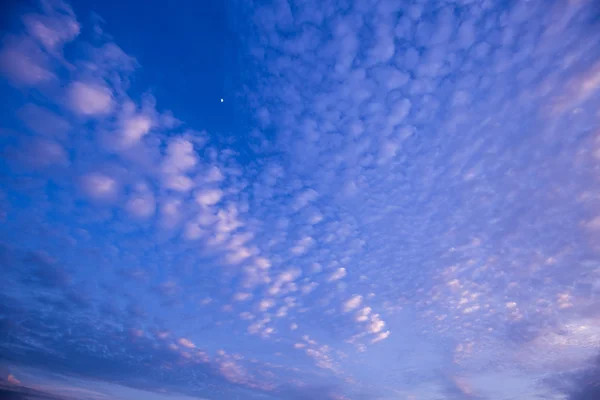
394, 200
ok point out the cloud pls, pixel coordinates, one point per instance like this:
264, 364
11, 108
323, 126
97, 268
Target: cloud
141, 203
44, 122
376, 324
586, 384
304, 198
209, 197
180, 158
381, 336
100, 186
134, 128
12, 380
90, 99
17, 393
353, 303
23, 63
186, 343
337, 275
419, 145
265, 304
55, 27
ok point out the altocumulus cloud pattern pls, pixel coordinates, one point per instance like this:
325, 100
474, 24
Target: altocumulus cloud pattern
395, 199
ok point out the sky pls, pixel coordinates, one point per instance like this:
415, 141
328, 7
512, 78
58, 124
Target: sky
300, 199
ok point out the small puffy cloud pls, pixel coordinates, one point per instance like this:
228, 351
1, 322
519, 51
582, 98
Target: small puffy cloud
179, 183
170, 212
242, 296
246, 316
90, 99
141, 204
281, 312
381, 336
57, 26
43, 121
186, 343
353, 303
23, 63
304, 198
42, 152
163, 335
209, 197
337, 275
134, 128
289, 275
213, 175
179, 159
192, 231
238, 255
265, 304
293, 326
376, 324
180, 156
454, 283
363, 314
262, 263
302, 245
100, 186
12, 380
309, 287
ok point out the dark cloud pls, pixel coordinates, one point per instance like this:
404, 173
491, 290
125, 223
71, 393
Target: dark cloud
324, 392
12, 392
581, 384
46, 271
587, 385
85, 348
457, 389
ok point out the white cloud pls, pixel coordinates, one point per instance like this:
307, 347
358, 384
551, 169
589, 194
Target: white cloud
381, 336
309, 287
304, 198
265, 304
193, 231
281, 312
170, 212
209, 197
23, 63
352, 303
241, 296
376, 324
55, 27
302, 245
238, 255
214, 175
246, 316
180, 157
262, 263
363, 314
100, 186
179, 183
337, 275
134, 128
90, 98
12, 380
187, 343
141, 203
